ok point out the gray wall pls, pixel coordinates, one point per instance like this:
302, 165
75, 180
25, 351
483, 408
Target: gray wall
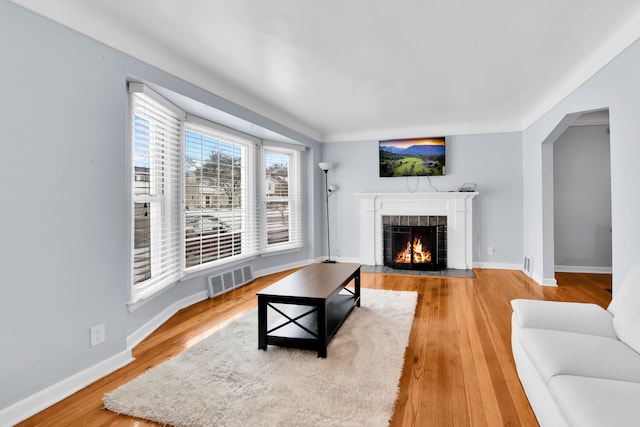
617, 88
582, 199
64, 219
492, 161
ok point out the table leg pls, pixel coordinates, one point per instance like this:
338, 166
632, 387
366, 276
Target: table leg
322, 329
357, 287
262, 323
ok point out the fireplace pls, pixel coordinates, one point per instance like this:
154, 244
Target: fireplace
455, 206
419, 246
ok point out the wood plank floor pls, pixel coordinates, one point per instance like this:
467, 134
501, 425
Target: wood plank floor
458, 367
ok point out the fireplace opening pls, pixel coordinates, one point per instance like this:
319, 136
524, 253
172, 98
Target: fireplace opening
415, 247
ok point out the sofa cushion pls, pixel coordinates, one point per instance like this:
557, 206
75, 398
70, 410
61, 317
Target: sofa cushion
568, 353
587, 402
565, 316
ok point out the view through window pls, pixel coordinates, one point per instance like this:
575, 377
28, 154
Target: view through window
215, 205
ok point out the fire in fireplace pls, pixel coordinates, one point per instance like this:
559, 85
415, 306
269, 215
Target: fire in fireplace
420, 247
414, 253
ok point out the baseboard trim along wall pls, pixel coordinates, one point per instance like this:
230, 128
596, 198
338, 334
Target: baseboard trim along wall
544, 281
582, 269
41, 400
145, 330
497, 265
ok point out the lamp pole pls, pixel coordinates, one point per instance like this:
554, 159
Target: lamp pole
325, 168
326, 190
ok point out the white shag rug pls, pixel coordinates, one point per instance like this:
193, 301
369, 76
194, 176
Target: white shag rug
225, 380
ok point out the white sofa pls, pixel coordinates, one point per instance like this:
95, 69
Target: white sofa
578, 363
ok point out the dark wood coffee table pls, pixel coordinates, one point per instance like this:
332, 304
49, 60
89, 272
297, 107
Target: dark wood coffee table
309, 306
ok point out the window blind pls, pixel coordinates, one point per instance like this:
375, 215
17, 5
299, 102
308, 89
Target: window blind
156, 135
221, 215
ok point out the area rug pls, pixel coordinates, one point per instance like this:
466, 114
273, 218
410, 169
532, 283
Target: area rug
226, 381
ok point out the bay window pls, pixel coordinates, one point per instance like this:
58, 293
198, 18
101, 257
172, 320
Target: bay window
203, 195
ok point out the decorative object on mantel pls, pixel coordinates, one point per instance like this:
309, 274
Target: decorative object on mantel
225, 380
468, 187
329, 189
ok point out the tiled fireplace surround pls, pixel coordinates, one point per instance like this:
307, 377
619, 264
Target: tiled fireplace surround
453, 208
413, 221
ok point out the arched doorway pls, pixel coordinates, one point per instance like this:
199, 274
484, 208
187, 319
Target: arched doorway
577, 195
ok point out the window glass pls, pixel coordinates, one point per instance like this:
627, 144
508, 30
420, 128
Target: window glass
215, 189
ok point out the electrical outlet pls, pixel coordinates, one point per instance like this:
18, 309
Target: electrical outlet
491, 250
97, 335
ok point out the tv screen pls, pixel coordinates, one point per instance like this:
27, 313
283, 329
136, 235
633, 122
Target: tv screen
412, 157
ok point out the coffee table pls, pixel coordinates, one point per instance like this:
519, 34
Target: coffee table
308, 306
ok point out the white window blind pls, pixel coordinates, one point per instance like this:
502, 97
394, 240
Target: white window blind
221, 215
282, 198
156, 136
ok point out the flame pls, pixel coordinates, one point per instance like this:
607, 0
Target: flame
419, 256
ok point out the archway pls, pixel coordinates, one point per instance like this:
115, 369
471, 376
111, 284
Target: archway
548, 187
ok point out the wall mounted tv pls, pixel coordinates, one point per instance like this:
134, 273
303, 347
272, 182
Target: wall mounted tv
412, 157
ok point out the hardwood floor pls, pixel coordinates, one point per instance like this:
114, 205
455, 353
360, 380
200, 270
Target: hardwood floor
458, 366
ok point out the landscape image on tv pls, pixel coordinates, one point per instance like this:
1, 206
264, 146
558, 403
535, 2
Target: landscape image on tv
412, 157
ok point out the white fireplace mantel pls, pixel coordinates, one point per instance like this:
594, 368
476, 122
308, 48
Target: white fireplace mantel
456, 206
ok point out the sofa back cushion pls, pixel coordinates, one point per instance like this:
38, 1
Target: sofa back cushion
625, 308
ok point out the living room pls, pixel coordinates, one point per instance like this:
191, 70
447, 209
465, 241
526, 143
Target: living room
65, 100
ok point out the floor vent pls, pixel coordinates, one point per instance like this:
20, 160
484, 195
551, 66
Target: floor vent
527, 264
222, 282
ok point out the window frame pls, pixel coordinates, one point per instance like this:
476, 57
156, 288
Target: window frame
250, 245
293, 198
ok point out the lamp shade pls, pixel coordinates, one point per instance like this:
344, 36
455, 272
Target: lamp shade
325, 166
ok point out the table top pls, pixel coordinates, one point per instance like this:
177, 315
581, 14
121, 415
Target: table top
315, 281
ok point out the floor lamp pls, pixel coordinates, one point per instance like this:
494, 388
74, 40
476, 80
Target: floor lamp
325, 166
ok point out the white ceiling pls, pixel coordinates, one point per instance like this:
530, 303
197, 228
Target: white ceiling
341, 70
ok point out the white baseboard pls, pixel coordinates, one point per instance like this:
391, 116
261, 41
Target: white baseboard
497, 265
548, 282
342, 259
544, 282
41, 400
145, 330
346, 259
582, 269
